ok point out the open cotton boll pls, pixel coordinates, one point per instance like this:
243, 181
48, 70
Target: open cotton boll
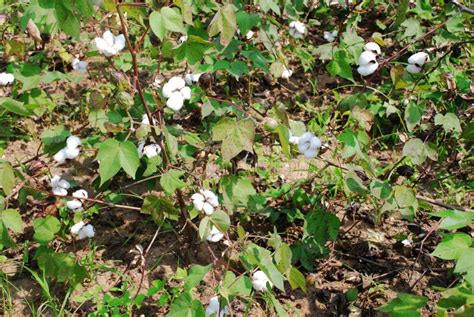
73, 142
151, 150
373, 47
205, 201
145, 120
6, 78
80, 66
330, 36
71, 153
215, 235
110, 45
367, 57
249, 35
74, 205
86, 232
60, 157
80, 193
77, 227
192, 78
309, 145
182, 39
260, 280
419, 59
293, 139
368, 69
286, 73
59, 191
214, 308
297, 29
186, 93
176, 83
414, 69
175, 101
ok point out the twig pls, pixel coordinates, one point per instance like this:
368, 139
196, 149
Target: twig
462, 7
441, 204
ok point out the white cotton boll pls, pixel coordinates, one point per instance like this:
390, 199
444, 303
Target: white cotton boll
77, 227
60, 157
186, 93
74, 205
168, 89
373, 47
293, 139
210, 197
249, 35
145, 120
328, 36
64, 184
315, 142
59, 191
109, 44
419, 59
286, 73
175, 101
310, 153
309, 145
369, 69
151, 150
300, 27
80, 193
141, 145
86, 232
6, 79
214, 308
119, 42
80, 66
198, 201
182, 39
205, 201
177, 82
215, 235
208, 208
188, 78
260, 280
71, 153
413, 69
54, 182
73, 142
366, 58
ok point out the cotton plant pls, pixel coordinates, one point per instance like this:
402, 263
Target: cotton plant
214, 308
416, 62
297, 29
59, 185
205, 200
71, 151
260, 281
80, 66
75, 205
150, 150
82, 231
215, 235
368, 59
330, 36
6, 79
109, 44
176, 91
192, 78
309, 145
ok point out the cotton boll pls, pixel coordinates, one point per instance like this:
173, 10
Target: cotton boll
205, 201
310, 153
309, 145
145, 120
6, 79
168, 89
328, 36
198, 201
175, 101
214, 308
54, 182
86, 232
249, 35
80, 193
183, 39
119, 42
188, 78
74, 205
109, 44
71, 153
151, 150
215, 235
414, 69
77, 227
73, 142
59, 191
373, 47
79, 66
260, 280
60, 157
286, 73
186, 93
177, 83
366, 58
419, 59
368, 69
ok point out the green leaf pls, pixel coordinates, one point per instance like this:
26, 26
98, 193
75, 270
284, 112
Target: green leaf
114, 155
192, 50
247, 21
355, 184
284, 136
236, 191
172, 20
405, 197
159, 208
7, 177
157, 25
61, 266
412, 28
186, 306
221, 220
225, 23
128, 157
452, 246
297, 279
204, 227
67, 20
415, 150
195, 276
405, 305
14, 106
236, 286
236, 136
381, 190
170, 181
339, 66
45, 228
465, 263
413, 114
454, 219
450, 122
12, 220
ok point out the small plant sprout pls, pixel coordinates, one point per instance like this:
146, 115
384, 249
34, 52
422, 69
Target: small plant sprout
82, 231
80, 66
286, 73
330, 36
177, 92
205, 201
416, 62
373, 47
110, 45
297, 29
150, 150
215, 235
191, 79
367, 63
71, 151
260, 281
214, 308
182, 39
76, 204
309, 145
59, 185
6, 79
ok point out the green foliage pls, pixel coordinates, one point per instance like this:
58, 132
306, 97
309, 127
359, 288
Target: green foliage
45, 229
114, 155
405, 305
10, 219
7, 177
236, 136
